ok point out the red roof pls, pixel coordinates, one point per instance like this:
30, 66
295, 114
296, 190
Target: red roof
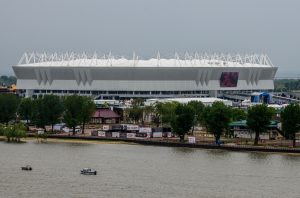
105, 113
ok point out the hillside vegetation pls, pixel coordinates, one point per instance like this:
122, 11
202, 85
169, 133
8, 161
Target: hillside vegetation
287, 84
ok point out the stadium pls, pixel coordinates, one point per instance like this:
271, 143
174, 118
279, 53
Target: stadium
110, 77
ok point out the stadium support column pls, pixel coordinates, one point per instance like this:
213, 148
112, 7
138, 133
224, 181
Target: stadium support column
213, 93
28, 93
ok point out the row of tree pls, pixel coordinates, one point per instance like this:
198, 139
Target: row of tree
48, 110
286, 85
182, 118
216, 118
77, 110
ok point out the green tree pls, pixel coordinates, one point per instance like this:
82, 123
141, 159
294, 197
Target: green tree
47, 110
88, 107
147, 111
138, 102
53, 109
39, 115
166, 112
20, 131
8, 132
197, 108
26, 109
156, 114
259, 116
182, 121
73, 109
14, 132
135, 113
217, 118
238, 114
290, 118
8, 107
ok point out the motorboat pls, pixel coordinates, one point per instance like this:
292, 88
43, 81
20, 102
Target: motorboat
88, 171
27, 168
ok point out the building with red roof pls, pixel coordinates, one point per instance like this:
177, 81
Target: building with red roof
105, 116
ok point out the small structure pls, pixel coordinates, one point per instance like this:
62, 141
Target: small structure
88, 171
26, 168
261, 97
59, 126
8, 89
102, 103
105, 116
240, 130
208, 101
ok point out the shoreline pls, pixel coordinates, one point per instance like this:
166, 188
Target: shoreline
76, 141
239, 148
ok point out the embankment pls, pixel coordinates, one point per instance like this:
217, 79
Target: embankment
177, 144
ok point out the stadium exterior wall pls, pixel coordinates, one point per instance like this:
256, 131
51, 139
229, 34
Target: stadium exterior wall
146, 81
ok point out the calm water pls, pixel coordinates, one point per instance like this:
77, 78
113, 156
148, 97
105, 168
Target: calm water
143, 171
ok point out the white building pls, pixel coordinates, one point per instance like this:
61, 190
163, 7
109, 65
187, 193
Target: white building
109, 77
206, 101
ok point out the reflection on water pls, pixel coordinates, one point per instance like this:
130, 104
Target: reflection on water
183, 150
216, 152
291, 157
143, 171
258, 156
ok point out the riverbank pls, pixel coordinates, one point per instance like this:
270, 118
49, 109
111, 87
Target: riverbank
76, 141
242, 148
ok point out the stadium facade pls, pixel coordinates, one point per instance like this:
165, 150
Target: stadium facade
108, 77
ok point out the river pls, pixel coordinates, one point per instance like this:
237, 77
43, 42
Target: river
130, 171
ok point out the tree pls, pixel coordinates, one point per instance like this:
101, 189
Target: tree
166, 111
238, 114
147, 111
14, 132
26, 109
73, 107
197, 107
88, 107
137, 102
8, 132
290, 118
20, 131
217, 118
259, 116
183, 120
53, 109
8, 107
47, 110
39, 116
156, 114
135, 113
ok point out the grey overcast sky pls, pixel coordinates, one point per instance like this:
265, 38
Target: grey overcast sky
146, 26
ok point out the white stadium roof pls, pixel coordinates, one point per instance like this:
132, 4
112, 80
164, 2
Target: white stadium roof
197, 60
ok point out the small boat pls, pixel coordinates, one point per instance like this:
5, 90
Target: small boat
27, 168
88, 171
